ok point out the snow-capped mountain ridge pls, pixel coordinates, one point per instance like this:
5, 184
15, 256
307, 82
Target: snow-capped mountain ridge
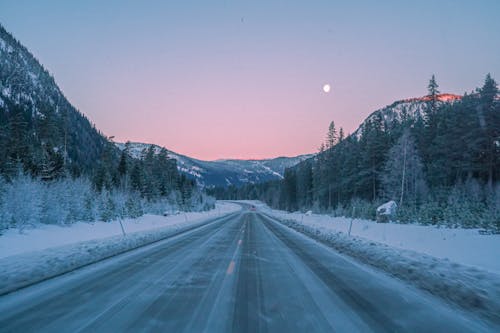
439, 98
406, 108
223, 172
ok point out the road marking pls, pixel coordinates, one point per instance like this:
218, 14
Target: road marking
230, 269
232, 264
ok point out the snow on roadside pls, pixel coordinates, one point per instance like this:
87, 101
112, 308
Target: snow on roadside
470, 288
45, 236
47, 252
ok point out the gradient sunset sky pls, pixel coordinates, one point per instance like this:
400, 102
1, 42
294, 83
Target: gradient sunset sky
243, 79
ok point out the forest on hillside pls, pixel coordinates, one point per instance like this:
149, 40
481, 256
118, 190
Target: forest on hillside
441, 166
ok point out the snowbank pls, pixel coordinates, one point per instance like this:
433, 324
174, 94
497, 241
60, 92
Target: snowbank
471, 288
45, 252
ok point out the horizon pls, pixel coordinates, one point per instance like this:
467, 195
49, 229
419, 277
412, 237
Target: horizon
224, 81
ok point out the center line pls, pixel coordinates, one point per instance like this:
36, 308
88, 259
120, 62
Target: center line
230, 269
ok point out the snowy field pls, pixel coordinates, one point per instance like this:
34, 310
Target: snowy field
465, 246
41, 253
45, 236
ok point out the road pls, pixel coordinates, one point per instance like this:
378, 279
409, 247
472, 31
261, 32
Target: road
242, 273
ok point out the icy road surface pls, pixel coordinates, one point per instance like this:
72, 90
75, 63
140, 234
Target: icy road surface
246, 273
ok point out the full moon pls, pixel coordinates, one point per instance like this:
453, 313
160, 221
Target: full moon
326, 88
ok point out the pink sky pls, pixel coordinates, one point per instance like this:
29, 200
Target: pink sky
243, 79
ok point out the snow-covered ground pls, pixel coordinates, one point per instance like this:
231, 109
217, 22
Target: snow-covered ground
41, 253
465, 246
45, 236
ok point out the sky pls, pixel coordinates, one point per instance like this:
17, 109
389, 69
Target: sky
243, 79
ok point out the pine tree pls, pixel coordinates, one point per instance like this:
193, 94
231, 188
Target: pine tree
330, 167
52, 164
403, 177
136, 177
489, 111
331, 137
290, 190
341, 135
433, 93
489, 91
122, 166
123, 170
374, 146
304, 185
433, 87
18, 148
319, 177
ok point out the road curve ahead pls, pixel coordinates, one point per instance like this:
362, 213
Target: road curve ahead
242, 273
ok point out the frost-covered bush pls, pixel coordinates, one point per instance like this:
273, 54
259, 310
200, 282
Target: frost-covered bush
207, 203
468, 205
25, 202
464, 208
66, 201
364, 209
493, 212
21, 203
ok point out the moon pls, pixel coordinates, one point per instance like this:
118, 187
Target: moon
326, 88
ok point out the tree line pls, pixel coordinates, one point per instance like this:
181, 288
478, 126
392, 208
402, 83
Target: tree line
121, 186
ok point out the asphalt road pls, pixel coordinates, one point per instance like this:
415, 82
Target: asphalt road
243, 273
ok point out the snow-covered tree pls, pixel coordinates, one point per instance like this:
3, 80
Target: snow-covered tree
403, 177
22, 204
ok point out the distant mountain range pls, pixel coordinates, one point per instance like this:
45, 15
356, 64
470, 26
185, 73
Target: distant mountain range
224, 172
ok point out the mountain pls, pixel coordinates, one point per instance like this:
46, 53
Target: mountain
224, 172
411, 108
38, 125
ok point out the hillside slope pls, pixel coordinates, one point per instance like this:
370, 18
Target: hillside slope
38, 125
410, 108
